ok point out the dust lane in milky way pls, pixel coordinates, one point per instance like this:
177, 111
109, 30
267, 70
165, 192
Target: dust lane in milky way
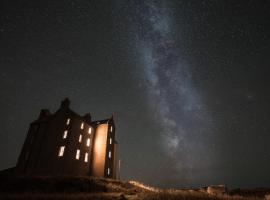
185, 121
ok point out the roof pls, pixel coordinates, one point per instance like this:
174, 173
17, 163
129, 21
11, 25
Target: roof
45, 114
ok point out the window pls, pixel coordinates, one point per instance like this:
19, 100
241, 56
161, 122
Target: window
89, 130
110, 154
78, 154
65, 134
111, 128
80, 138
82, 125
108, 171
68, 121
86, 157
61, 151
110, 140
88, 142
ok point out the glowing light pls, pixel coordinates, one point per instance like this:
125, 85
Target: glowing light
88, 142
80, 138
61, 151
99, 150
110, 140
65, 134
141, 185
86, 157
68, 121
78, 154
90, 130
110, 154
82, 125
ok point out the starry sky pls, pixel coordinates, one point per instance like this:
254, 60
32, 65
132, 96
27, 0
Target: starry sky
187, 81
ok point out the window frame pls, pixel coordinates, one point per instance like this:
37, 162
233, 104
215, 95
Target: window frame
78, 152
110, 154
82, 125
61, 151
88, 142
65, 134
80, 138
86, 157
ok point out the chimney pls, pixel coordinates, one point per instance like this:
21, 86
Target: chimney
65, 103
44, 113
87, 118
111, 118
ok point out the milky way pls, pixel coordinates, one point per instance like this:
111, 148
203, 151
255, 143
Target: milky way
185, 120
187, 81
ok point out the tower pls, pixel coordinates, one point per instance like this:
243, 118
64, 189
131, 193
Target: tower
103, 148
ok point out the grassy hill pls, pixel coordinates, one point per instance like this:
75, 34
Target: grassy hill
66, 187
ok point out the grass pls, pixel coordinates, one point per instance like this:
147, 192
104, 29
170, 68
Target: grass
183, 195
89, 188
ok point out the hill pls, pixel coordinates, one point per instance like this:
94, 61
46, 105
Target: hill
67, 187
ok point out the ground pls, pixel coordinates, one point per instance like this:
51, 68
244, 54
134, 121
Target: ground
22, 187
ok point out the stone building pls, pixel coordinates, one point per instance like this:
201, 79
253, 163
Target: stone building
65, 143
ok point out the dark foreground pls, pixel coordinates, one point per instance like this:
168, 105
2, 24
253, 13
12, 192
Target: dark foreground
95, 188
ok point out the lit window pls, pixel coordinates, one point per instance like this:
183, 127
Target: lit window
89, 130
111, 128
108, 171
110, 140
78, 154
110, 154
68, 121
88, 142
82, 125
80, 138
61, 151
65, 134
86, 157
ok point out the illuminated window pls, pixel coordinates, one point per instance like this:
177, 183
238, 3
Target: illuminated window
65, 134
110, 154
78, 154
82, 125
111, 128
86, 157
80, 138
90, 130
88, 142
61, 151
108, 171
68, 121
110, 140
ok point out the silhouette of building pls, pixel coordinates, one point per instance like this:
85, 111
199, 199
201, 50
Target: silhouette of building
65, 143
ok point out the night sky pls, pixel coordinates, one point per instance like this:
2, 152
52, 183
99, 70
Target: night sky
188, 82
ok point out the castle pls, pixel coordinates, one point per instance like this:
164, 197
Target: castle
65, 143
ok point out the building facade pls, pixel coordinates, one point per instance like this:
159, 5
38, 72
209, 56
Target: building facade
65, 143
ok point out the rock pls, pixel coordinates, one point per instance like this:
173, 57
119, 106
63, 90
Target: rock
216, 189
